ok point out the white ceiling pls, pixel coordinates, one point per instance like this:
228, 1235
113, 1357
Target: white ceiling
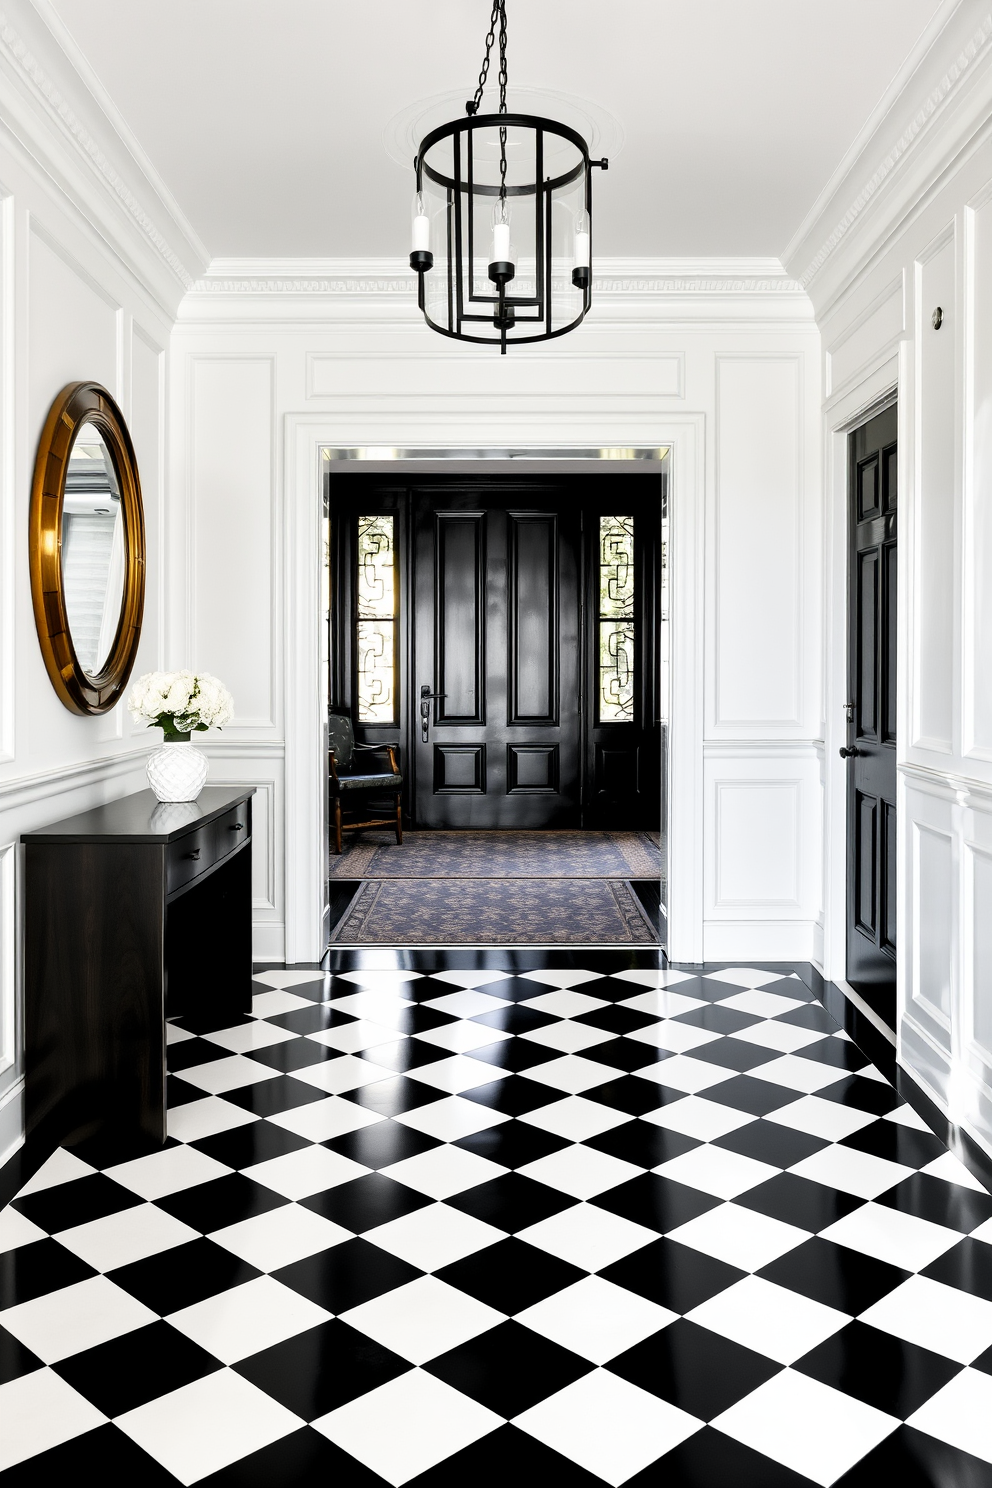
265, 117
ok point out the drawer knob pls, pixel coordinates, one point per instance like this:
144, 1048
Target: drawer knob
194, 854
236, 827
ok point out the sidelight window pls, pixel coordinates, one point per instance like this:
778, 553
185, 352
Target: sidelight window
616, 619
376, 591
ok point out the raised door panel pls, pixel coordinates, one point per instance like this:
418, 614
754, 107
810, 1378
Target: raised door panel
460, 642
532, 613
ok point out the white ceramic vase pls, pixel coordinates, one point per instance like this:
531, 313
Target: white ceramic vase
176, 772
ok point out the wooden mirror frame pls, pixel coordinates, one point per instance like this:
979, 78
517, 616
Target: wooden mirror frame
77, 404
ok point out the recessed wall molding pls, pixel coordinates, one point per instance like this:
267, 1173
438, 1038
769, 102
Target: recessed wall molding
24, 790
8, 964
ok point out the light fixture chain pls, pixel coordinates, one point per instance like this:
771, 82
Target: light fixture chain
502, 98
498, 12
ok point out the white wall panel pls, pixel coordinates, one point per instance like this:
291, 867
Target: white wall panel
980, 949
8, 963
933, 931
75, 331
147, 433
935, 516
869, 337
231, 495
757, 842
350, 374
977, 638
757, 543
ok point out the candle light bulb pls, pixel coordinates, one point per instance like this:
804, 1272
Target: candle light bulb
501, 232
582, 240
421, 240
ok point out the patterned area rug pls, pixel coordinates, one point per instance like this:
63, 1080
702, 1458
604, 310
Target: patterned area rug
486, 911
501, 855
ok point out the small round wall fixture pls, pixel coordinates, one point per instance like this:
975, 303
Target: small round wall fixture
502, 220
87, 548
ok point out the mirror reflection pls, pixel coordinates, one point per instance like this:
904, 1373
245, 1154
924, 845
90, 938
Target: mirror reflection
92, 549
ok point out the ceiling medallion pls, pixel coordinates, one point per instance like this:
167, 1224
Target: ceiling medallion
519, 186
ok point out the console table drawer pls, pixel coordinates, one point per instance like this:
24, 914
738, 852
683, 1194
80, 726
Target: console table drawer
230, 830
189, 857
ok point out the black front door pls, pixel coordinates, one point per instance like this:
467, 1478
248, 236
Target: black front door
871, 742
495, 675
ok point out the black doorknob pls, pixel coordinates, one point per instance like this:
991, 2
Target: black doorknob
849, 751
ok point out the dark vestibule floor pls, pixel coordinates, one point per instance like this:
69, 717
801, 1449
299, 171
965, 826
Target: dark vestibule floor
438, 1217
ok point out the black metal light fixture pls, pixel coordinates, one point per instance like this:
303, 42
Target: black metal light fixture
503, 199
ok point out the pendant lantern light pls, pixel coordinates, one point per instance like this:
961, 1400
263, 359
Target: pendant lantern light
502, 221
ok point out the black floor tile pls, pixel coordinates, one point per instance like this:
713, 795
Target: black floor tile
697, 1370
641, 1143
243, 1146
313, 1019
366, 1202
630, 1094
15, 1359
394, 1097
832, 1274
411, 1020
912, 1459
509, 1368
183, 1275
901, 1144
316, 1371
836, 1052
38, 1268
709, 1459
942, 1203
510, 1275
382, 1144
771, 1143
179, 1092
878, 1368
513, 1144
512, 1202
404, 1055
735, 1054
271, 1097
347, 1275
799, 1201
673, 1275
515, 1019
104, 1456
222, 1201
139, 1366
716, 1019
294, 1054
967, 1266
812, 1016
301, 1460
616, 1019
756, 1097
75, 1203
516, 1054
623, 1054
863, 1094
190, 1052
514, 1096
660, 1203
507, 1456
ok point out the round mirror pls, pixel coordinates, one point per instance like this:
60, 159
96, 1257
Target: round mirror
87, 548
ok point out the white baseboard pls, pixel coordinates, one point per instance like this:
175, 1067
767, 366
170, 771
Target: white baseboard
268, 941
11, 1121
758, 940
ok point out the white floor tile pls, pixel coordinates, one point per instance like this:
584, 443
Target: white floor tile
167, 1172
576, 1118
565, 1003
16, 1230
282, 979
717, 1171
428, 1421
608, 1426
744, 976
853, 1172
274, 1004
248, 1318
904, 1115
573, 1073
678, 1038
423, 1319
380, 977
596, 1319
952, 1170
587, 1236
663, 1004
61, 1167
960, 1413
684, 1073
781, 1324
248, 1036
938, 1317
809, 1427
205, 1118
75, 1318
821, 1118
568, 1037
280, 1236
458, 1073
347, 1072
205, 1426
459, 1037
739, 1236
901, 1239
698, 1117
470, 978
321, 1120
785, 1037
309, 1170
796, 1073
388, 1008
563, 978
580, 1171
38, 1411
434, 1236
452, 1118
352, 1038
444, 1171
176, 1035
218, 1076
130, 1235
652, 978
762, 1004
467, 1003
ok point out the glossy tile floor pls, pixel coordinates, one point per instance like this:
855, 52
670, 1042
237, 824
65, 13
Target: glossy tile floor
502, 1225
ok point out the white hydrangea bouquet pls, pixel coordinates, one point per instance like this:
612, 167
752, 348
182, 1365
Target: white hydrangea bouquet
180, 704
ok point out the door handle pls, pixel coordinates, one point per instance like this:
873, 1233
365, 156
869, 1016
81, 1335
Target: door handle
849, 751
426, 698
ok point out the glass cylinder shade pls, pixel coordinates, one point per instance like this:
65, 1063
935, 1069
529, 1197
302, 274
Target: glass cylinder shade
532, 295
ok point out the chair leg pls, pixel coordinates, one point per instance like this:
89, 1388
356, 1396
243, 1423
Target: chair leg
337, 823
399, 820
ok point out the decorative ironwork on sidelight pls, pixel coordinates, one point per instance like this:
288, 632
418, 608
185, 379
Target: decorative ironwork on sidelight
376, 593
616, 619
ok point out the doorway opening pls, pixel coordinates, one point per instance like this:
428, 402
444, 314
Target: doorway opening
870, 749
506, 634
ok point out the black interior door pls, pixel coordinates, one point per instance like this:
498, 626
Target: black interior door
495, 675
871, 743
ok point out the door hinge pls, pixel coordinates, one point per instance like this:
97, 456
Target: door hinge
849, 712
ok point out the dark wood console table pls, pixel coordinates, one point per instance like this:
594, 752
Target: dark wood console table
134, 911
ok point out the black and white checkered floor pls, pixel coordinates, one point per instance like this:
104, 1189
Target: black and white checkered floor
551, 1225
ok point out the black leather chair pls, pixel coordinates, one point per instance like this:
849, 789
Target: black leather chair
351, 780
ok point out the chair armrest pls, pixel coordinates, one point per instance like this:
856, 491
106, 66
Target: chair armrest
389, 749
332, 762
